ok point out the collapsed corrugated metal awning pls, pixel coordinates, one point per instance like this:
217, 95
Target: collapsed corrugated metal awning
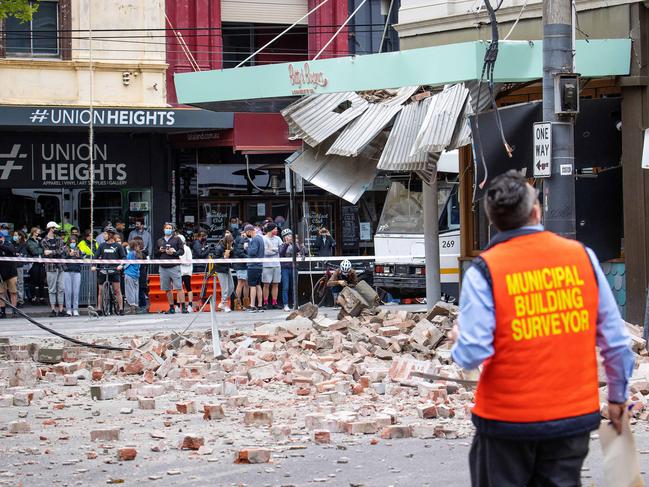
440, 123
335, 174
362, 130
396, 155
315, 118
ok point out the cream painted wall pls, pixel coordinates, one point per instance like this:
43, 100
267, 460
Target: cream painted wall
59, 82
462, 20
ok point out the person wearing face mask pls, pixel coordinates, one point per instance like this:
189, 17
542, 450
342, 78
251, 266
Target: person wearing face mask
170, 248
52, 245
143, 233
19, 241
72, 277
37, 272
200, 250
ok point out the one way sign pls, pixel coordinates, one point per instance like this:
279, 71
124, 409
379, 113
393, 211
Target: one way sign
542, 149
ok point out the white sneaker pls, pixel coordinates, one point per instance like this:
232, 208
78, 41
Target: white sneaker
75, 312
68, 312
220, 306
227, 309
177, 309
190, 309
286, 308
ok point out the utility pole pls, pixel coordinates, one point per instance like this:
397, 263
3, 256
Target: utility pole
431, 242
559, 189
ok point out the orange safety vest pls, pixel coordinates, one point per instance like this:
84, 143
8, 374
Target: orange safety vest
544, 365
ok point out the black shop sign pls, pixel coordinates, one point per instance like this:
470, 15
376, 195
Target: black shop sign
63, 161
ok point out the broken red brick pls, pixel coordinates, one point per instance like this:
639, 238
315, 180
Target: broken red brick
187, 407
126, 454
91, 455
213, 411
146, 403
104, 435
396, 431
258, 417
321, 437
191, 442
253, 455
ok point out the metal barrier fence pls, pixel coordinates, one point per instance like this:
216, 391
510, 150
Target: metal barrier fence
88, 290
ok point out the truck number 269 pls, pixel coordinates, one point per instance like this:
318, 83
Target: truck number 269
448, 244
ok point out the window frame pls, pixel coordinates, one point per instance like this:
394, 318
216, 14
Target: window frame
64, 42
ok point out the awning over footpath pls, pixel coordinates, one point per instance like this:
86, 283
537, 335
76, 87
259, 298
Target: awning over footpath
274, 86
354, 126
251, 133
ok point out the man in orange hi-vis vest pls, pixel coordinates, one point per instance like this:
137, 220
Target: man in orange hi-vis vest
533, 308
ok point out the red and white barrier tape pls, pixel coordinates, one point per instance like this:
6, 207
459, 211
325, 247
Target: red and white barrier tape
89, 261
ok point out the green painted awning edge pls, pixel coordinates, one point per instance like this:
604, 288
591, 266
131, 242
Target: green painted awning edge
518, 61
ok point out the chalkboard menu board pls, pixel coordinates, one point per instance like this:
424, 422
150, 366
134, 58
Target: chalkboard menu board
319, 215
350, 229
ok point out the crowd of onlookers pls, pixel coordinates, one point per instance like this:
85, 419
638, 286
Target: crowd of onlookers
250, 286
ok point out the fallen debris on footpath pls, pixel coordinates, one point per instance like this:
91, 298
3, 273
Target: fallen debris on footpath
311, 379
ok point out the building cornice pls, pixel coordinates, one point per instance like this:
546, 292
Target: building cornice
58, 64
473, 19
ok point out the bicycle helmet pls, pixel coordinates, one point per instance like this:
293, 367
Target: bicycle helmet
110, 229
345, 266
286, 231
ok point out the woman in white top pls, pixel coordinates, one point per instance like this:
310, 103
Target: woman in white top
186, 270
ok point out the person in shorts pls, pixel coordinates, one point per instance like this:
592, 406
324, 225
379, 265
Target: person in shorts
170, 247
255, 251
271, 274
110, 249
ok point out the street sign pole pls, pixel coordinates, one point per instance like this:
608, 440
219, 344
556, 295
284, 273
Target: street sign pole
559, 188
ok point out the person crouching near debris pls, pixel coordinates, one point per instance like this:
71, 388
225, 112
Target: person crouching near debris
132, 276
534, 306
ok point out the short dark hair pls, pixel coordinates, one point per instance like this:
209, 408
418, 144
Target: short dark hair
270, 226
509, 201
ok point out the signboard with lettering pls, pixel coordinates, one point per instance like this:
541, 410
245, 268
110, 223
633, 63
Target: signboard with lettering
350, 228
542, 160
319, 215
131, 118
63, 161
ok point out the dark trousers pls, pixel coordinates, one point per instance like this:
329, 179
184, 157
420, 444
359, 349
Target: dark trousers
498, 462
143, 286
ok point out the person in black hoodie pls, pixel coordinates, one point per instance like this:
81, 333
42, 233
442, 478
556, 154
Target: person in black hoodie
8, 273
19, 241
241, 271
169, 247
143, 284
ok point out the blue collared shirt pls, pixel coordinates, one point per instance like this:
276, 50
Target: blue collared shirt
478, 324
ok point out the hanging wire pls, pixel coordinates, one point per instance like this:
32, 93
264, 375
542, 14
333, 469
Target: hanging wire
385, 28
183, 46
491, 55
20, 312
517, 19
281, 34
342, 26
91, 133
